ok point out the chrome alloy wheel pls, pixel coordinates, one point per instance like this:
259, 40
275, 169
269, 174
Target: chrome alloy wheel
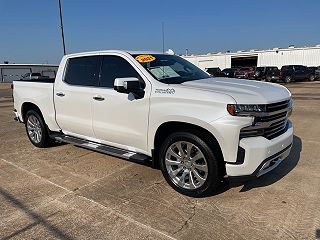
186, 165
34, 129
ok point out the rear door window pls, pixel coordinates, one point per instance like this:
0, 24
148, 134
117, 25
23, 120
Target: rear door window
116, 67
83, 71
303, 68
298, 68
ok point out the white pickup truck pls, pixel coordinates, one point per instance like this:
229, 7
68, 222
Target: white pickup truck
148, 106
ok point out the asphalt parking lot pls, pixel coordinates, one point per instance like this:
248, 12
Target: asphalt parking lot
67, 192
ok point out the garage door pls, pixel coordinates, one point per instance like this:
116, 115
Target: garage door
245, 61
49, 73
11, 74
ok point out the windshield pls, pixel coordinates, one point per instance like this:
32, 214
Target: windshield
170, 69
273, 69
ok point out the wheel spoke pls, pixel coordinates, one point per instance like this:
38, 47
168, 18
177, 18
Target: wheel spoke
189, 147
40, 135
35, 138
201, 167
172, 162
179, 146
198, 177
175, 172
183, 177
30, 123
33, 119
198, 156
31, 134
173, 153
192, 184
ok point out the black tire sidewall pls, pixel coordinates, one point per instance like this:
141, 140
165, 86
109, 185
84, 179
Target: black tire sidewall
44, 137
212, 180
311, 78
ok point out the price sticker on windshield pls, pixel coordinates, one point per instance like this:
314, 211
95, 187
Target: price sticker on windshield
145, 58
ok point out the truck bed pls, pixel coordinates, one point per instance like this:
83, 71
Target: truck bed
38, 92
44, 80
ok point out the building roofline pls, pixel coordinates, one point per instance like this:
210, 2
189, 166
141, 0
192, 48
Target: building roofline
25, 64
253, 51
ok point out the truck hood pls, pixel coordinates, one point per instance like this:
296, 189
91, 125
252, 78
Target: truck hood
243, 91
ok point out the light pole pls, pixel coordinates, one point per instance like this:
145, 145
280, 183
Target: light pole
61, 26
163, 37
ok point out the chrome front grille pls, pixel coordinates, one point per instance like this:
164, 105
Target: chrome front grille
277, 106
271, 123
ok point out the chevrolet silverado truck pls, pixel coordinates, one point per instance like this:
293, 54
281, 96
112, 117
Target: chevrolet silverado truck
149, 106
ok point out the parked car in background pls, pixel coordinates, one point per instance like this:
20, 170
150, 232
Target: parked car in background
268, 74
317, 73
229, 72
215, 72
312, 68
291, 73
245, 72
33, 76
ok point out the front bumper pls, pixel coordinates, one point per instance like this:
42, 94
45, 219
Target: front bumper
261, 155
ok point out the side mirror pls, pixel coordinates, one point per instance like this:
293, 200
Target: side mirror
129, 85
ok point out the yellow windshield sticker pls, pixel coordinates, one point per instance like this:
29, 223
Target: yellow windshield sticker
145, 58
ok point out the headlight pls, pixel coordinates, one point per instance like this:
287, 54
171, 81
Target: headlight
245, 109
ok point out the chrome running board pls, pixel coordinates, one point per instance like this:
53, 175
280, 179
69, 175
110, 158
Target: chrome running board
113, 151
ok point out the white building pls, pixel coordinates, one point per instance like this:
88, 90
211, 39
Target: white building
308, 56
11, 72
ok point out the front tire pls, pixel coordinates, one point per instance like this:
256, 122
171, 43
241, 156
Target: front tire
189, 165
36, 129
311, 78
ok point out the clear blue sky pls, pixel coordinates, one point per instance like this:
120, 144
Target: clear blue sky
29, 30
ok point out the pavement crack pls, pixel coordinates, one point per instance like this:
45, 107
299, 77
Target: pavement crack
187, 221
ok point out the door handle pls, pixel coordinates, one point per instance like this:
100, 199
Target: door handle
98, 98
60, 94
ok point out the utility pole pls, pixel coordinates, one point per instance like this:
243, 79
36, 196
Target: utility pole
163, 37
61, 27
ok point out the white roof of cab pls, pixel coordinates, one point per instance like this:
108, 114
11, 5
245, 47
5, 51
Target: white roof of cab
112, 51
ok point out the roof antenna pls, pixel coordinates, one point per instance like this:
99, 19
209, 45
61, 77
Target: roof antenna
163, 37
61, 27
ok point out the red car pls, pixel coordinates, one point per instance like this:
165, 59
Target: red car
245, 72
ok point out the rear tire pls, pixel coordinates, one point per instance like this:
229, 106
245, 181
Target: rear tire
288, 79
189, 165
36, 129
